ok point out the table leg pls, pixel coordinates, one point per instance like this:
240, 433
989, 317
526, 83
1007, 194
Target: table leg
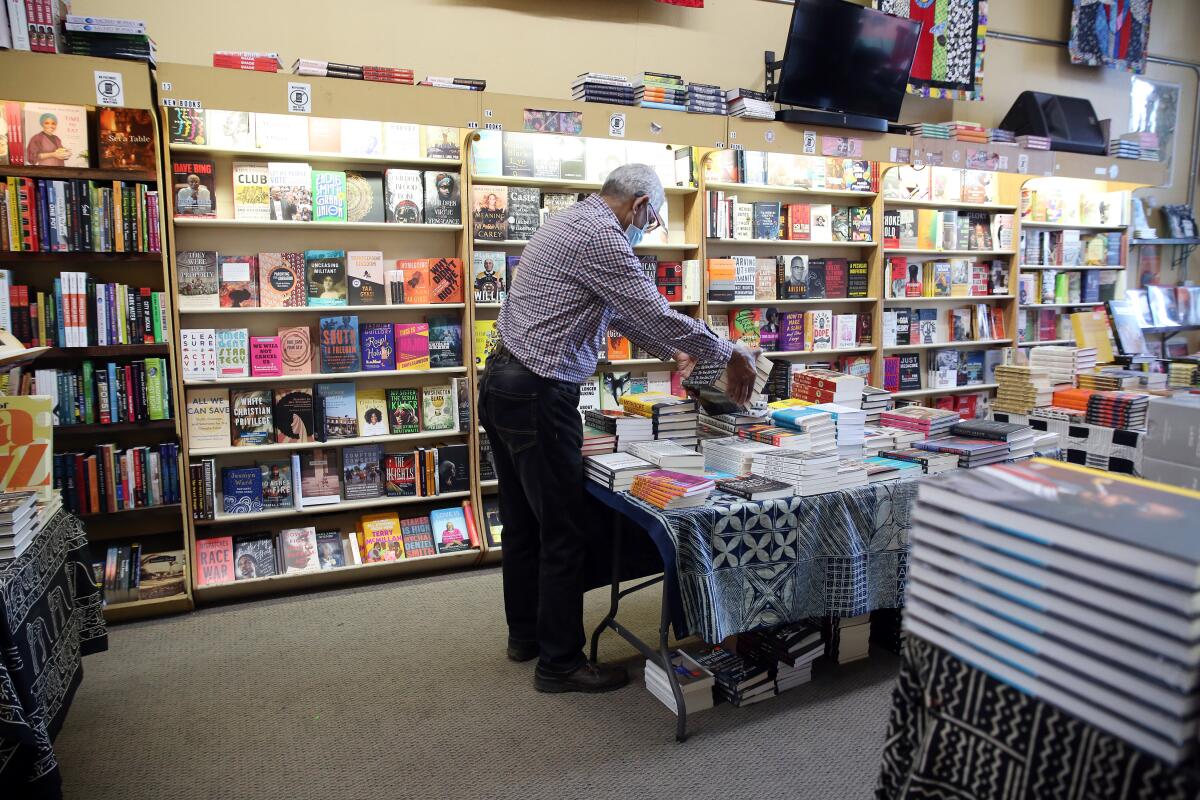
615, 589
664, 651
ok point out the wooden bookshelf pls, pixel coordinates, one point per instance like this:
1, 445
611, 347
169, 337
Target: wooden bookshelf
70, 80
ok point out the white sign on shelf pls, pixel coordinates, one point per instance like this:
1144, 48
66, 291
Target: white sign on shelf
299, 98
1023, 163
810, 143
493, 126
616, 125
110, 88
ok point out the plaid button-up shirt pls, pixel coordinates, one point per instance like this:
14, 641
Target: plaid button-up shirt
579, 278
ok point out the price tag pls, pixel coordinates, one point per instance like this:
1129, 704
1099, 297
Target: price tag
493, 126
110, 88
299, 98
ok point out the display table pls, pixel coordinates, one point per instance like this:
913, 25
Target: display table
733, 565
50, 615
957, 732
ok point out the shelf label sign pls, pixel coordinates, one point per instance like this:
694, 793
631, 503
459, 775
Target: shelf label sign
616, 125
810, 143
299, 98
171, 102
110, 88
1023, 163
493, 126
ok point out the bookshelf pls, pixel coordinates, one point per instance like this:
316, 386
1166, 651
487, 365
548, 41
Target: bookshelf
384, 104
70, 81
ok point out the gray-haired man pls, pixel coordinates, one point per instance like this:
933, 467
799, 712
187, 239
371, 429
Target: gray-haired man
578, 278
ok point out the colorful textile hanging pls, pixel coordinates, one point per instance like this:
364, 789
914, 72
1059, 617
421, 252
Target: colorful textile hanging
1110, 33
949, 58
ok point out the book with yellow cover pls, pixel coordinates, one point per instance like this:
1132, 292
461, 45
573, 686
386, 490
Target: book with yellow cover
650, 404
1091, 330
27, 449
382, 539
927, 229
486, 337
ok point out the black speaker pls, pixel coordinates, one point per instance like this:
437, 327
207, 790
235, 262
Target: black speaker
1068, 122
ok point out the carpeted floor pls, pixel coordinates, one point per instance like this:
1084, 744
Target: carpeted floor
401, 690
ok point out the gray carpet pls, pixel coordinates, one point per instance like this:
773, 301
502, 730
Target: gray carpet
401, 690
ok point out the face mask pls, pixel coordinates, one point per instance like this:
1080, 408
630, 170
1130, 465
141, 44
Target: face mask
634, 235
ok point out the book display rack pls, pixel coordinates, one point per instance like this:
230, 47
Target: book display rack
109, 365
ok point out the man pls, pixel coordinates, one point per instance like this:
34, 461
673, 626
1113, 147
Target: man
193, 198
45, 149
578, 278
281, 207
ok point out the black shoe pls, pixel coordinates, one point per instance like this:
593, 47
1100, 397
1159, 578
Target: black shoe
522, 651
588, 678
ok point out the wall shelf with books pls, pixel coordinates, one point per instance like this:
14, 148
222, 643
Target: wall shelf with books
342, 507
489, 484
101, 164
759, 188
899, 348
791, 302
394, 227
1025, 343
561, 183
641, 248
832, 351
1076, 268
1062, 226
979, 387
354, 156
317, 310
325, 376
1061, 305
783, 244
966, 298
896, 202
934, 253
252, 450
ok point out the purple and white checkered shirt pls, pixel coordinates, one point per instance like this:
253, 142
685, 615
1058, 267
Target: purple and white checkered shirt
577, 279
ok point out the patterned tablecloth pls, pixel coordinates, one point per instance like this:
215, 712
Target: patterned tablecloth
956, 732
734, 565
50, 615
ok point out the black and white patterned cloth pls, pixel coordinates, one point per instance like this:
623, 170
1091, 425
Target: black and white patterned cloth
956, 733
50, 616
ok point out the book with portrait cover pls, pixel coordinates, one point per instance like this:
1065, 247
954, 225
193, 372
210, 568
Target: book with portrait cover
364, 276
296, 350
453, 468
364, 196
446, 280
241, 490
400, 474
449, 530
382, 539
371, 407
445, 341
239, 281
194, 187
276, 484
336, 406
198, 279
251, 191
439, 412
208, 417
293, 414
319, 477
404, 195
489, 212
125, 138
489, 284
281, 280
362, 476
524, 212
56, 135
325, 277
412, 345
254, 556
362, 137
251, 413
290, 186
339, 344
378, 346
403, 411
298, 548
328, 195
187, 126
330, 552
443, 198
233, 352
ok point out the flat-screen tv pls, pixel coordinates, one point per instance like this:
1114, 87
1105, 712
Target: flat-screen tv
846, 58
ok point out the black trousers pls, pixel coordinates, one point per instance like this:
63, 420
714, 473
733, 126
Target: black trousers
536, 434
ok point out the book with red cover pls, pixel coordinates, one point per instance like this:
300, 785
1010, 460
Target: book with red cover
214, 560
799, 225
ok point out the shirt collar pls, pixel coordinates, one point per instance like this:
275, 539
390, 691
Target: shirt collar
597, 202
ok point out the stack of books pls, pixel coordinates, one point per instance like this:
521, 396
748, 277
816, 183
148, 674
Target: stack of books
739, 681
927, 421
1108, 379
600, 87
851, 474
809, 473
849, 638
109, 37
931, 463
1022, 388
1019, 438
615, 471
597, 442
1122, 148
447, 82
748, 103
250, 61
670, 490
1031, 142
1057, 412
787, 652
964, 131
733, 455
1182, 374
1122, 410
695, 683
332, 69
874, 402
817, 425
1001, 136
971, 453
850, 424
1067, 591
1063, 363
1146, 145
876, 440
905, 437
671, 417
18, 523
662, 91
704, 98
710, 383
628, 428
828, 386
727, 424
755, 488
1071, 403
882, 468
930, 130
666, 454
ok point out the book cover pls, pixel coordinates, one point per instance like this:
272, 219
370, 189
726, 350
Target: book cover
251, 191
382, 539
445, 341
362, 138
443, 198
276, 484
125, 139
856, 279
194, 187
330, 552
818, 330
446, 280
453, 468
298, 546
404, 196
293, 414
837, 275
487, 153
198, 353
377, 345
241, 490
339, 344
362, 476
161, 574
792, 276
814, 279
486, 338
208, 417
412, 345
338, 407
230, 130
239, 281
266, 359
402, 140
400, 475
290, 188
822, 222
524, 212
909, 365
440, 141
364, 276
439, 412
296, 350
187, 126
403, 407
418, 286
281, 133
198, 279
324, 135
214, 560
325, 277
56, 135
281, 280
489, 212
945, 369
233, 352
518, 151
861, 224
254, 556
364, 196
319, 473
372, 412
449, 530
791, 331
841, 224
328, 195
909, 238
251, 415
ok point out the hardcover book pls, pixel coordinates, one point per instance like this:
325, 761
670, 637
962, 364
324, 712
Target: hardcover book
241, 490
293, 414
439, 412
524, 211
400, 475
378, 346
362, 476
208, 417
404, 196
290, 188
856, 285
330, 552
418, 289
329, 195
412, 345
198, 279
489, 211
319, 473
382, 537
338, 409
187, 126
125, 138
418, 537
489, 283
230, 130
445, 342
446, 280
198, 353
265, 356
402, 140
251, 191
325, 276
281, 133
449, 530
251, 414
443, 198
298, 546
440, 141
519, 154
362, 138
403, 411
372, 412
239, 281
276, 484
194, 186
364, 196
233, 352
364, 275
453, 468
281, 280
324, 135
296, 350
791, 276
56, 135
339, 344
254, 556
214, 560
910, 371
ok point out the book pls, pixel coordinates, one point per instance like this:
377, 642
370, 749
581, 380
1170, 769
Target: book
214, 560
382, 539
489, 212
400, 475
208, 417
276, 484
339, 344
453, 468
293, 414
909, 365
524, 212
336, 410
443, 198
418, 537
330, 552
377, 345
193, 185
250, 411
298, 550
296, 350
493, 526
362, 476
403, 407
238, 281
289, 186
445, 342
281, 133
439, 412
319, 477
489, 284
251, 191
241, 490
440, 141
364, 196
56, 135
449, 530
328, 195
265, 356
281, 280
518, 154
230, 130
404, 196
446, 280
124, 139
412, 345
198, 279
372, 412
186, 126
325, 277
233, 352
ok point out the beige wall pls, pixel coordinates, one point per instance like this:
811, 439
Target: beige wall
536, 46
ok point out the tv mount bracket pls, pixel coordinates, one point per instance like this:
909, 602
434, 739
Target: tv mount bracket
771, 85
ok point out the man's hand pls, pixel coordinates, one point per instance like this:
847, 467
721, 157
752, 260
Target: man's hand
685, 364
740, 374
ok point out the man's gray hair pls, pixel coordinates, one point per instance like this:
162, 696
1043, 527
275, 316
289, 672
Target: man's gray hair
632, 180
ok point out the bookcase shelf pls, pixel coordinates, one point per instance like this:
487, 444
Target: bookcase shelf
356, 440
323, 309
787, 244
560, 183
78, 173
217, 222
914, 252
1046, 342
641, 248
151, 607
997, 207
979, 387
492, 484
724, 186
788, 303
329, 376
1063, 305
330, 508
107, 351
946, 345
85, 256
1038, 267
453, 164
166, 508
607, 366
831, 352
1062, 226
118, 428
969, 298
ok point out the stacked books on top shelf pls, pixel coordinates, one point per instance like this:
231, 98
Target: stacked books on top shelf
18, 523
816, 173
447, 82
662, 91
600, 87
940, 185
964, 131
1031, 142
79, 312
671, 490
801, 222
930, 130
1054, 579
749, 104
333, 69
705, 98
250, 61
1143, 146
615, 471
108, 37
1001, 136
